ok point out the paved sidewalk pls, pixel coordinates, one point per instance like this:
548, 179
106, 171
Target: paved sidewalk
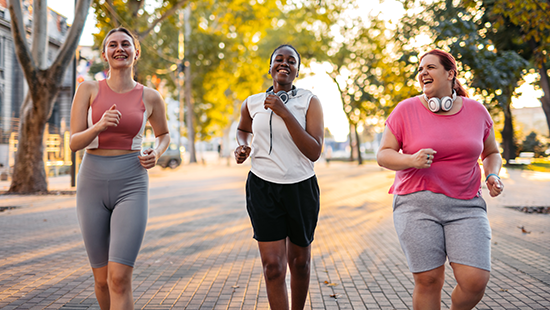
198, 252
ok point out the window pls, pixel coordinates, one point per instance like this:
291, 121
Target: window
2, 48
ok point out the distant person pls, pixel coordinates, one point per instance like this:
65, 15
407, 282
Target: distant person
282, 131
434, 141
108, 118
328, 153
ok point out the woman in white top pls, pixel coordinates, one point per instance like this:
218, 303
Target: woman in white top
282, 131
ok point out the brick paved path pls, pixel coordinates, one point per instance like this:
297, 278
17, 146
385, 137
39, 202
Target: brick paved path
198, 252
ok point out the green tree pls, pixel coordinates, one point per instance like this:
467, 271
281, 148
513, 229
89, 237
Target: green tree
236, 39
44, 82
157, 27
494, 74
226, 61
532, 144
372, 71
228, 51
523, 27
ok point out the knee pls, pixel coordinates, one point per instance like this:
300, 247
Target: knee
300, 265
474, 283
101, 284
274, 270
428, 281
119, 284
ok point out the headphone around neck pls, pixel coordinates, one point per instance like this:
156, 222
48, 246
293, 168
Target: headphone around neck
283, 94
445, 104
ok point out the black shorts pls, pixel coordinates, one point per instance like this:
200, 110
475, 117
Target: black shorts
278, 211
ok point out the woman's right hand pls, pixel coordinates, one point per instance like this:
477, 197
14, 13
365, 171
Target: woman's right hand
423, 158
241, 153
110, 118
494, 185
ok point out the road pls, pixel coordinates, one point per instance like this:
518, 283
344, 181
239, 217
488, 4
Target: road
198, 251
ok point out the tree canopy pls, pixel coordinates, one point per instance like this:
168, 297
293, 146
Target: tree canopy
371, 71
491, 73
522, 27
228, 48
373, 62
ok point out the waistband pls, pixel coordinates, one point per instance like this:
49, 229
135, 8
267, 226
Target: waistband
111, 167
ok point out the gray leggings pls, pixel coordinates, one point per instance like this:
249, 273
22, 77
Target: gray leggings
433, 227
111, 204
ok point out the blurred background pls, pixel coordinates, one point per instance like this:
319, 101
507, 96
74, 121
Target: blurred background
358, 56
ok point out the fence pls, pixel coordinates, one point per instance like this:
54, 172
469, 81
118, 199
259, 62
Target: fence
57, 153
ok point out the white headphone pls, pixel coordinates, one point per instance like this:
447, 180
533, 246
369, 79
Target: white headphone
435, 104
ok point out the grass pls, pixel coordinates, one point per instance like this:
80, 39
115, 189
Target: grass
543, 167
537, 164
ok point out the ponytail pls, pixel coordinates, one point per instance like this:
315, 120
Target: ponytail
460, 90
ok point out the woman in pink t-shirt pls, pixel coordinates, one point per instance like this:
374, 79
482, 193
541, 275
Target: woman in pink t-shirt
433, 141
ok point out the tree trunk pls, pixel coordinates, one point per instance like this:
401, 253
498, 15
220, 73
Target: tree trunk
358, 146
545, 100
39, 34
508, 143
30, 177
351, 141
190, 115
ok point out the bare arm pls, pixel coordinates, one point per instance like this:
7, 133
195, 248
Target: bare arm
81, 135
388, 155
491, 164
309, 140
157, 119
244, 135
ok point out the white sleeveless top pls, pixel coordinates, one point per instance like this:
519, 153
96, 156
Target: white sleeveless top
285, 164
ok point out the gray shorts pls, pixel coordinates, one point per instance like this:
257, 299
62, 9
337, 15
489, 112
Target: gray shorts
112, 206
432, 227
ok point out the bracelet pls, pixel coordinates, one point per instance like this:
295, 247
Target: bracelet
489, 175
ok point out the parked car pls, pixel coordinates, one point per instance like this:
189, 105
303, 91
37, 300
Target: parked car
171, 158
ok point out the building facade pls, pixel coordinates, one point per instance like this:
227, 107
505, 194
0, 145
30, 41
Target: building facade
531, 119
13, 86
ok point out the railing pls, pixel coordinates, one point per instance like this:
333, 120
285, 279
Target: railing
57, 154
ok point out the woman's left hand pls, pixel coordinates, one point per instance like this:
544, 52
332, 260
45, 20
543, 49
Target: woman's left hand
495, 186
148, 159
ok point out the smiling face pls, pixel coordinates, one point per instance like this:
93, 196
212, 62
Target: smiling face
434, 80
119, 50
284, 66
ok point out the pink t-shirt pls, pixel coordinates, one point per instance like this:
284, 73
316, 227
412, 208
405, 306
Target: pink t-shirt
458, 140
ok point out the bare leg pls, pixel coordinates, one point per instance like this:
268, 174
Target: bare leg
471, 284
427, 289
299, 259
120, 286
274, 263
101, 288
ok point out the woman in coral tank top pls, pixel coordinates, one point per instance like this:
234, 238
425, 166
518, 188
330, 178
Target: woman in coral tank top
108, 119
433, 142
